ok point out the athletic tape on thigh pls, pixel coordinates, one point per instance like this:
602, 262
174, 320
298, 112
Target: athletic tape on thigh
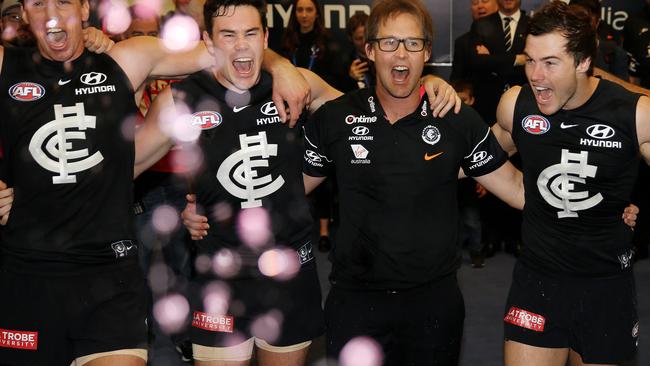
240, 352
286, 349
137, 352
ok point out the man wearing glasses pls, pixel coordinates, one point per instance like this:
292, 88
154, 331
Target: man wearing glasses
15, 32
395, 260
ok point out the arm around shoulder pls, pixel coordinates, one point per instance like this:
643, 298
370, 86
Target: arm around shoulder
321, 91
144, 57
507, 183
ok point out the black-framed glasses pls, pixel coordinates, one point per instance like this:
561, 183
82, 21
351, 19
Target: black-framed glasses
390, 44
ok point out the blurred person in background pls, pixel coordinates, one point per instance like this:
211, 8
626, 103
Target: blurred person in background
360, 70
307, 44
463, 45
15, 31
160, 187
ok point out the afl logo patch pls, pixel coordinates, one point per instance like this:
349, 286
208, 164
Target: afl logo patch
206, 120
535, 125
26, 91
431, 135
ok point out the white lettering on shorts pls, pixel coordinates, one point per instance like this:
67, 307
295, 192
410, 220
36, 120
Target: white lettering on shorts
525, 319
19, 339
213, 322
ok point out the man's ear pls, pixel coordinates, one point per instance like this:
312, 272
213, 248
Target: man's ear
584, 65
209, 45
266, 38
85, 10
370, 52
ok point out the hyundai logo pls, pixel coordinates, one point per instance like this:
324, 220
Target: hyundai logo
269, 109
360, 130
313, 156
479, 156
600, 132
93, 78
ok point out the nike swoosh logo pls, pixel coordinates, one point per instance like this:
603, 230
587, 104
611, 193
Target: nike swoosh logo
428, 157
239, 109
61, 82
563, 125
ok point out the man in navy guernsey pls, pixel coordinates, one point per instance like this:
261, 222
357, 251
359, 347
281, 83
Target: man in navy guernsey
70, 285
573, 297
252, 169
394, 265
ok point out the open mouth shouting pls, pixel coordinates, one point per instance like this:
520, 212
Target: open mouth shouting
543, 94
400, 73
56, 37
243, 65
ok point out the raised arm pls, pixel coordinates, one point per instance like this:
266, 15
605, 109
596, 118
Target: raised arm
144, 57
321, 91
289, 85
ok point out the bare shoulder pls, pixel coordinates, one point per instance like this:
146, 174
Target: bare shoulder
643, 119
506, 107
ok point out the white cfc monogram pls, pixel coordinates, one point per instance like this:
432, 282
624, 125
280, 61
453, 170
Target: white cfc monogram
51, 147
556, 184
238, 174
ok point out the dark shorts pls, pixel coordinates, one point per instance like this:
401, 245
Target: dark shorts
281, 312
420, 326
52, 320
596, 318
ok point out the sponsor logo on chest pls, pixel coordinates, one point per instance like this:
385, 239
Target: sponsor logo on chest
269, 114
360, 133
601, 136
360, 154
535, 124
206, 120
26, 91
351, 119
94, 82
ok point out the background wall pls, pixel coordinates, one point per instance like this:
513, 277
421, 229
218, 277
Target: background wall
451, 19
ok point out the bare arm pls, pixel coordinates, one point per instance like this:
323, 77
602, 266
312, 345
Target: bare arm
289, 85
311, 182
505, 113
6, 200
643, 127
143, 57
507, 183
627, 85
321, 91
151, 142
